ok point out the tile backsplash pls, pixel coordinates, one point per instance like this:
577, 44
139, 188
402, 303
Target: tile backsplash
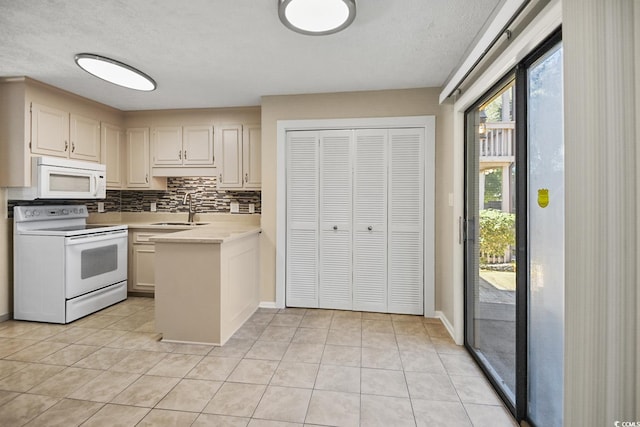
206, 198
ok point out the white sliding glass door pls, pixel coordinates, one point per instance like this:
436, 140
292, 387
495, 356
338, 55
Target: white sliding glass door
546, 238
514, 250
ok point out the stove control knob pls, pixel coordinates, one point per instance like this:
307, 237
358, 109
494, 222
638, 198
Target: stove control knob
27, 213
36, 213
65, 212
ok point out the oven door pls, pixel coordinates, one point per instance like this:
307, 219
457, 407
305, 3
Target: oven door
94, 261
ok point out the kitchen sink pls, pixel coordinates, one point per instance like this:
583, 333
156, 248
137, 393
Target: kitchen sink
180, 223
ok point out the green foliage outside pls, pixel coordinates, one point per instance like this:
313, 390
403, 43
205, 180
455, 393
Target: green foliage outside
497, 232
494, 111
493, 186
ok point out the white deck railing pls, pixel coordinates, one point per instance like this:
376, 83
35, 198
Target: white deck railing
499, 140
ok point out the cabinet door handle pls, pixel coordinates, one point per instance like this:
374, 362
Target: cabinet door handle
335, 227
220, 179
146, 178
180, 154
66, 146
73, 147
185, 154
370, 228
246, 177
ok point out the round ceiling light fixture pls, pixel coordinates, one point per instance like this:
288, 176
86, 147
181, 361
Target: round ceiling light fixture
317, 17
115, 72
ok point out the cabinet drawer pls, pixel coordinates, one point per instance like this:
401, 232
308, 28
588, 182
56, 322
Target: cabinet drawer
143, 237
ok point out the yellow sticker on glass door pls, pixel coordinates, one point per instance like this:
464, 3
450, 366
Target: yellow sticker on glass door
543, 197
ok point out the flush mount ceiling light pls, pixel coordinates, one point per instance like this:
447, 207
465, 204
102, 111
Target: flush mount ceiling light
115, 72
317, 17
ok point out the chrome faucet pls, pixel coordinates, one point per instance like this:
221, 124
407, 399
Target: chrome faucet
192, 212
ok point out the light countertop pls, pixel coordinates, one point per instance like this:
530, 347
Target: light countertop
218, 228
211, 233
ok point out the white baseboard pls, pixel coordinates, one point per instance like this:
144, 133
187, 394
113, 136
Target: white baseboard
268, 304
445, 321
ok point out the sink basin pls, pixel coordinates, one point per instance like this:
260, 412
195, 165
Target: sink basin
180, 223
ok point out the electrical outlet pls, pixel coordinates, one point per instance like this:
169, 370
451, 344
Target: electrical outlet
252, 208
153, 207
235, 207
100, 207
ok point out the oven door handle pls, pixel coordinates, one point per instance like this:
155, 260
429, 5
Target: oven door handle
101, 237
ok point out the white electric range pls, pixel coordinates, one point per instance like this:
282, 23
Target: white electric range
63, 267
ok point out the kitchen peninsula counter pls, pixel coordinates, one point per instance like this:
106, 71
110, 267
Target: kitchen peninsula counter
209, 233
207, 282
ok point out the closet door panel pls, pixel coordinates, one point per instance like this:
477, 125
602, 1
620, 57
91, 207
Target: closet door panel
406, 211
336, 220
370, 220
302, 219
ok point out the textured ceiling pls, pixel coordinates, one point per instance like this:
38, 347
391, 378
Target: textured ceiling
223, 53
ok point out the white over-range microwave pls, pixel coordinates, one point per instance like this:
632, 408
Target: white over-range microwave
57, 178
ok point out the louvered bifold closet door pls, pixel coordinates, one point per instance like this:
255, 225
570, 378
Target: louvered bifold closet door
370, 220
336, 219
302, 219
405, 222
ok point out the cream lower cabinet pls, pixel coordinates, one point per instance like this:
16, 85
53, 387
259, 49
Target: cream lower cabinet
143, 263
142, 260
355, 220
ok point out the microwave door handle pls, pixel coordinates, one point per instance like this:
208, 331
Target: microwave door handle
95, 185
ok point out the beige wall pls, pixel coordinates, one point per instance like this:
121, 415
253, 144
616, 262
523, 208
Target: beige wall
409, 102
199, 116
445, 221
6, 305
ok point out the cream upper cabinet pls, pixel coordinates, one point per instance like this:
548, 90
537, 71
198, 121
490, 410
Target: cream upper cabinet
197, 143
138, 157
57, 133
177, 146
113, 149
239, 152
229, 146
49, 131
138, 161
167, 145
85, 138
252, 156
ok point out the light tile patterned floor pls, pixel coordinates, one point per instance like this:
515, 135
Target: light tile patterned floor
289, 367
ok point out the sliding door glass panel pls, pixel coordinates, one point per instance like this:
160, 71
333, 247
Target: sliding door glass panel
490, 252
546, 238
